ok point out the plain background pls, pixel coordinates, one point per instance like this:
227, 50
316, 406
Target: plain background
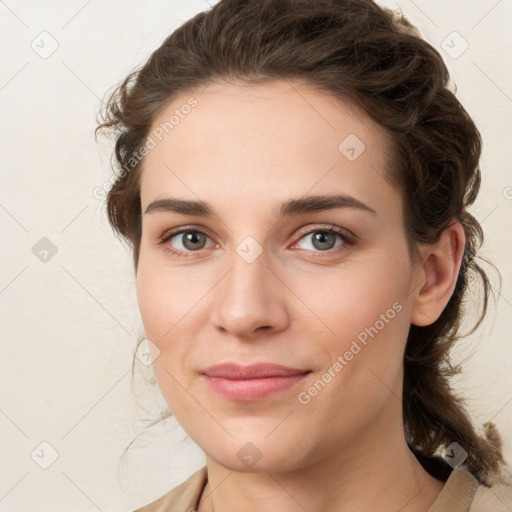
68, 307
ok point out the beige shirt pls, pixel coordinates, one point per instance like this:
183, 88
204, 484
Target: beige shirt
456, 496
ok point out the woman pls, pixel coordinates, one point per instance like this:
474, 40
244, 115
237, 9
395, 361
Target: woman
294, 181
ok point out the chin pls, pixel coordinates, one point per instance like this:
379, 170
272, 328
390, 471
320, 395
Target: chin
258, 455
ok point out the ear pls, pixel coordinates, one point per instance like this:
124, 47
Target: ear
436, 275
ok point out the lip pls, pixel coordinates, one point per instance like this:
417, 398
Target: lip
253, 382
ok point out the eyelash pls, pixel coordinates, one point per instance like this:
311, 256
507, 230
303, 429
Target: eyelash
346, 237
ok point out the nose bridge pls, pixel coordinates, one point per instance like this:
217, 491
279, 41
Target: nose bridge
249, 298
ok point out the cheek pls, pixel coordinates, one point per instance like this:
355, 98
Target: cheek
150, 301
169, 317
156, 310
348, 301
366, 314
163, 300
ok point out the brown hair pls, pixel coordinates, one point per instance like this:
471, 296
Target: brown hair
374, 57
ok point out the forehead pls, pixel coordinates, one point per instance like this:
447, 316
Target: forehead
254, 141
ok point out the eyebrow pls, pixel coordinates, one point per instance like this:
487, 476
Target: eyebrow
289, 207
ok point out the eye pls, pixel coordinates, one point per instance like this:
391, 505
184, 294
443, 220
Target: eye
187, 241
324, 239
321, 240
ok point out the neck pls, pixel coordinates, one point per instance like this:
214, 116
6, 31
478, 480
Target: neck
372, 474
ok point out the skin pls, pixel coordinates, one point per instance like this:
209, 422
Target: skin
244, 150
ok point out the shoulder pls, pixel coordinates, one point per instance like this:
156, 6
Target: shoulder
494, 499
183, 498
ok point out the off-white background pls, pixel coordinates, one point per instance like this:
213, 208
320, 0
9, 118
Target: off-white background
69, 324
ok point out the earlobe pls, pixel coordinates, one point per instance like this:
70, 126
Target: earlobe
437, 274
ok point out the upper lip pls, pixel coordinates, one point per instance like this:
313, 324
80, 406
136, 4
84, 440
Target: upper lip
235, 371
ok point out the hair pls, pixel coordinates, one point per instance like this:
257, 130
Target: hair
358, 51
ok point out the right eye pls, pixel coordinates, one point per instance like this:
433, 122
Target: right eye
189, 240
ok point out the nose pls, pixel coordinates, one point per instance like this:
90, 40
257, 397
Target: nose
250, 300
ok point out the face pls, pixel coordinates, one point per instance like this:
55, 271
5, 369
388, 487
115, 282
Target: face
267, 270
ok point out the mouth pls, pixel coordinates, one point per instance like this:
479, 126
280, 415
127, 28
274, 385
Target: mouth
251, 383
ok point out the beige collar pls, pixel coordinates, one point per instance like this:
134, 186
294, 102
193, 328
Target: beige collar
456, 496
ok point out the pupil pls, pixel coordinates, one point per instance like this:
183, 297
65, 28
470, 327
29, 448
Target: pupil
321, 238
191, 238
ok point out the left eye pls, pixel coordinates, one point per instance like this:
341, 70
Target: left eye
324, 239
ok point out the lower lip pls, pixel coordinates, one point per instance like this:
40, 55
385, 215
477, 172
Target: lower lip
249, 390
